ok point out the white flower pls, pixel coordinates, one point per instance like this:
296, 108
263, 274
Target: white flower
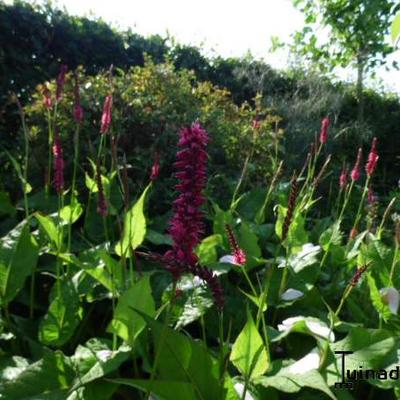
104, 355
291, 294
305, 364
390, 296
228, 259
314, 325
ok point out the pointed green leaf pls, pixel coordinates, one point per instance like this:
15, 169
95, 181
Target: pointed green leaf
248, 354
50, 228
63, 316
127, 323
134, 227
166, 390
18, 257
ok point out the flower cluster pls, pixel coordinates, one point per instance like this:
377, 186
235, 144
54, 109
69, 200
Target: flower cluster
343, 178
155, 169
239, 256
47, 98
186, 226
372, 159
58, 165
290, 209
323, 136
106, 116
355, 173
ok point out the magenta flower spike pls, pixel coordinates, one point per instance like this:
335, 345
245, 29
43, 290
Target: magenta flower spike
106, 116
355, 173
372, 158
58, 165
323, 136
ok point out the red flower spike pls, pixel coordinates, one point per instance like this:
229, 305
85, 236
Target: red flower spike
155, 169
372, 158
47, 98
106, 116
239, 256
323, 136
355, 173
58, 165
343, 178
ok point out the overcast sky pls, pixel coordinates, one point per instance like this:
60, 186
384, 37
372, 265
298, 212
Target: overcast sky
228, 28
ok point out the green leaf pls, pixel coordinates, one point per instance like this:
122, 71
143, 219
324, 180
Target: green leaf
380, 306
288, 382
332, 236
372, 349
127, 323
48, 378
297, 234
50, 228
92, 264
71, 213
248, 354
63, 316
207, 249
134, 227
395, 29
26, 187
6, 208
248, 241
96, 360
185, 360
18, 257
167, 390
158, 238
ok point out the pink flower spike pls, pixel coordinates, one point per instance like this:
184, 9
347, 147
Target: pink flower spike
239, 256
47, 98
371, 199
106, 116
343, 178
372, 158
60, 81
355, 173
323, 136
186, 226
155, 169
58, 165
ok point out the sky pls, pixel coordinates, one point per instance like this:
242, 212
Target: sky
227, 28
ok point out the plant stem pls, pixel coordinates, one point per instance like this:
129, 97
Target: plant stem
162, 338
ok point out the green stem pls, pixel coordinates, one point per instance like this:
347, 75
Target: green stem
394, 262
162, 338
76, 155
